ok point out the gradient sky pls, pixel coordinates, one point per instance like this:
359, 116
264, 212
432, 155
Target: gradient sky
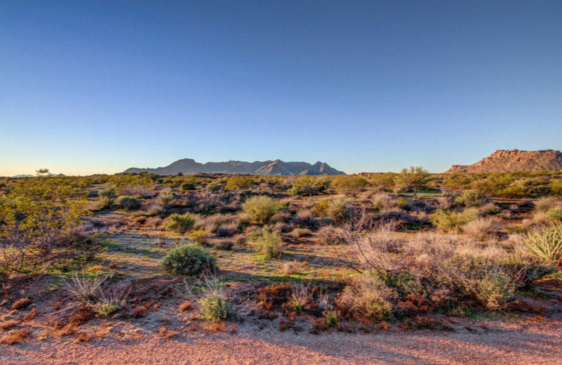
101, 86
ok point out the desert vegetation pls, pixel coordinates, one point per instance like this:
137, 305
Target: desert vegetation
317, 253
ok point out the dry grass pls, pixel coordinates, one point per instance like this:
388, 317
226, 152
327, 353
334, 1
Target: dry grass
21, 304
15, 337
481, 227
6, 325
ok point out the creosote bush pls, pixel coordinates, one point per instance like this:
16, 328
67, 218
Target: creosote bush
180, 223
451, 221
261, 208
187, 186
266, 243
367, 297
130, 203
470, 199
189, 260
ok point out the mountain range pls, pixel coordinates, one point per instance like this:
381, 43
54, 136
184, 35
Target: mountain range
277, 167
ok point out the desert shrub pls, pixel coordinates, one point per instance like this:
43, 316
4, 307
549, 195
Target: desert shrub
457, 182
213, 305
471, 198
299, 190
267, 243
481, 278
481, 227
384, 181
300, 297
290, 268
166, 197
545, 242
107, 197
301, 232
556, 188
414, 178
330, 235
180, 223
214, 187
321, 208
384, 201
224, 245
104, 302
238, 183
200, 236
40, 223
109, 302
261, 208
227, 230
555, 213
338, 210
187, 186
546, 203
189, 260
345, 184
367, 298
137, 191
490, 208
129, 203
513, 192
305, 218
450, 221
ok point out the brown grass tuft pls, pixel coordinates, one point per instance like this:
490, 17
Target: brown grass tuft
185, 306
6, 325
21, 304
15, 337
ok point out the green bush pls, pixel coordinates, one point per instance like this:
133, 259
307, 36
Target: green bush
187, 186
555, 213
261, 208
189, 260
298, 190
481, 278
267, 243
213, 188
556, 188
349, 184
130, 203
238, 183
471, 198
107, 197
214, 306
451, 221
414, 178
545, 242
166, 196
180, 223
367, 298
338, 210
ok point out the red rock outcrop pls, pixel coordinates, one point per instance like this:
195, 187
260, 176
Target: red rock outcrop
514, 160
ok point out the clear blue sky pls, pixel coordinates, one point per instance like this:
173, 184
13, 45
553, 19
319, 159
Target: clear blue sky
100, 86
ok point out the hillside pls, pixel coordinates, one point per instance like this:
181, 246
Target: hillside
277, 167
514, 160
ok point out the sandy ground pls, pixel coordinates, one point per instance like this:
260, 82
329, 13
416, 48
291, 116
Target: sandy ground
538, 342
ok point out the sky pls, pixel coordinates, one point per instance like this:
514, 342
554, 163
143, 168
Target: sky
100, 86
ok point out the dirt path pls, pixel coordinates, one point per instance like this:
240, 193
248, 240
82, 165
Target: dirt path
534, 343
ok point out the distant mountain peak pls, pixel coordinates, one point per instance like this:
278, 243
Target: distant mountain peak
275, 167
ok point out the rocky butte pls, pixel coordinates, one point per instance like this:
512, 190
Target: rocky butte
514, 160
277, 167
